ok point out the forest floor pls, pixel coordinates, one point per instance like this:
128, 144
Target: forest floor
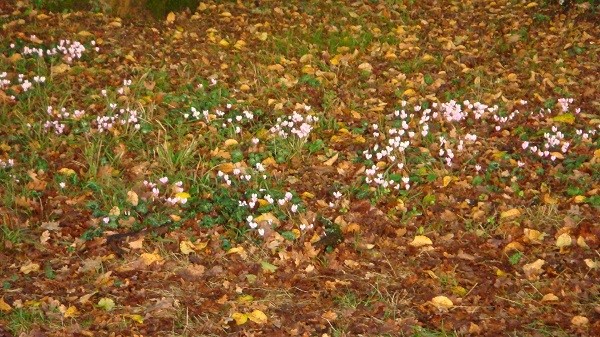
301, 168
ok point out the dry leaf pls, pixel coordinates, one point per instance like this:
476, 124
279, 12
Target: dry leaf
442, 302
550, 298
239, 318
71, 312
150, 258
29, 268
564, 240
132, 198
170, 18
534, 270
511, 213
580, 321
137, 244
186, 247
4, 307
329, 315
258, 317
420, 241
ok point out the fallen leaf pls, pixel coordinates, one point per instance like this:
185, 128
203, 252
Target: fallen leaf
134, 317
137, 244
106, 304
150, 258
591, 263
564, 240
534, 270
329, 315
66, 171
60, 68
239, 318
567, 118
170, 18
511, 213
580, 321
550, 298
71, 312
442, 302
132, 198
267, 267
186, 247
29, 268
4, 307
258, 317
421, 240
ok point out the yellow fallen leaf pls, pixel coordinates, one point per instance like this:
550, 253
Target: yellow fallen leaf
511, 213
60, 68
132, 198
442, 302
262, 36
170, 18
258, 317
533, 235
234, 250
579, 199
4, 307
226, 167
231, 142
446, 180
150, 258
224, 43
66, 171
564, 240
365, 67
239, 318
420, 241
549, 200
580, 320
409, 93
134, 317
268, 217
239, 44
550, 298
581, 242
591, 263
567, 118
71, 312
245, 298
29, 268
186, 247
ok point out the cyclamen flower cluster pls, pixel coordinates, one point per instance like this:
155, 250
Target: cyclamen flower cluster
71, 50
296, 124
57, 125
227, 118
7, 163
253, 202
122, 117
175, 193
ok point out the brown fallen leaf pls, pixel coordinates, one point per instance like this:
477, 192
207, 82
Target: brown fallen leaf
534, 270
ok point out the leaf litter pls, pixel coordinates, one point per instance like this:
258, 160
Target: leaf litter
304, 168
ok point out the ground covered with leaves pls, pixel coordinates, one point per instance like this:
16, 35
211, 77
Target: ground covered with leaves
301, 168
